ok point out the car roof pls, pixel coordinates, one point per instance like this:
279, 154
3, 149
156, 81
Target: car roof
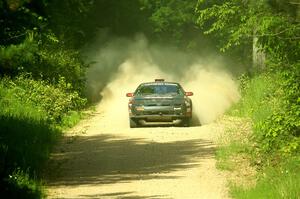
159, 83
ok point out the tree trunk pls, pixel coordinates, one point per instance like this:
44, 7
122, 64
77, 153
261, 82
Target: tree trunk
258, 55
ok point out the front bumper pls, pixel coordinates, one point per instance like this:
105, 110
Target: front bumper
159, 123
159, 120
160, 115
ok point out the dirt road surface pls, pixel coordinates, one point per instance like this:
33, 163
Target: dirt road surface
100, 158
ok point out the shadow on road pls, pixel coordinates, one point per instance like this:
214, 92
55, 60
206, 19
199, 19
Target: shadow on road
106, 159
123, 195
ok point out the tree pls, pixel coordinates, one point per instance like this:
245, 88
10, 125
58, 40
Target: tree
173, 20
237, 22
273, 26
17, 18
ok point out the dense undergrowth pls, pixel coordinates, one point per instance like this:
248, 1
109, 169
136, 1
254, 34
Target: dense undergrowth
272, 101
42, 83
32, 115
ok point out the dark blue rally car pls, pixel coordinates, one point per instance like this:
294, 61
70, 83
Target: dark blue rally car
159, 103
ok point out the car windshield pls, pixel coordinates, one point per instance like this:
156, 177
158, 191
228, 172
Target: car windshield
159, 89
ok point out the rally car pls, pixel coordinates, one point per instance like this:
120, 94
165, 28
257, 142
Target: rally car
159, 103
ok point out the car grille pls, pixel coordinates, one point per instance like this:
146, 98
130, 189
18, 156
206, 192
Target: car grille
158, 104
158, 112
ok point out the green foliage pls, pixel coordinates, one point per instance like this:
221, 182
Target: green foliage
173, 20
220, 18
77, 22
44, 58
17, 18
68, 20
236, 22
24, 128
271, 101
257, 101
15, 58
13, 106
58, 62
28, 45
166, 15
33, 108
280, 133
56, 100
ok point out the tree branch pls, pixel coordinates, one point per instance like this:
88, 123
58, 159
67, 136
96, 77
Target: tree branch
15, 36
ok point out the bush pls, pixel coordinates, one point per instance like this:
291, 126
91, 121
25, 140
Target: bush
58, 62
15, 58
280, 132
55, 100
45, 58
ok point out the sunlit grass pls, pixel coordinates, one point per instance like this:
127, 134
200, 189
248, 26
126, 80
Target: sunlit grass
281, 182
224, 155
71, 119
256, 102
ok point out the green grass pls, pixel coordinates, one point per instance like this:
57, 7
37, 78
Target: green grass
21, 185
256, 102
71, 119
262, 97
224, 155
281, 182
25, 143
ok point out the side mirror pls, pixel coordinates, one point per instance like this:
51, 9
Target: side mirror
129, 94
189, 93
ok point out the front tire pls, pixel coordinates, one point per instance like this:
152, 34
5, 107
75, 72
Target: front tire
186, 122
133, 123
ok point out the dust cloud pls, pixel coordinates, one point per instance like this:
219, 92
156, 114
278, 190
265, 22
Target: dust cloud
122, 65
